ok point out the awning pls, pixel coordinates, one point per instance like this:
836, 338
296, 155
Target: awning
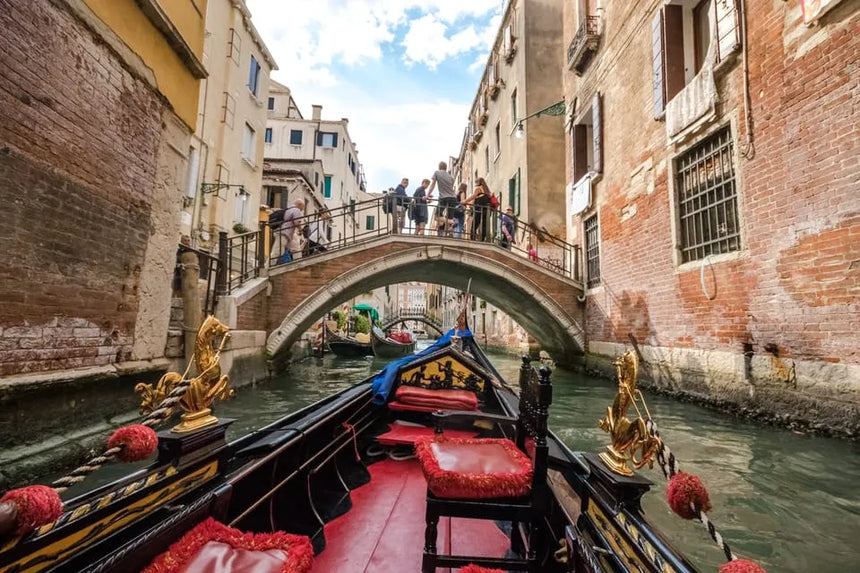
369, 309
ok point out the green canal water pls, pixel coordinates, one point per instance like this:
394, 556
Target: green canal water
788, 501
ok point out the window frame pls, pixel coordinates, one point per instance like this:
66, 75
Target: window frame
254, 76
298, 132
268, 135
592, 279
249, 144
270, 104
370, 223
321, 137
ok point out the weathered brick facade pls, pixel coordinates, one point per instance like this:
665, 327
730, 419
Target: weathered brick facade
792, 291
82, 163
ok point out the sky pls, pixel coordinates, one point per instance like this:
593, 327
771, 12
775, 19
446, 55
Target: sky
404, 72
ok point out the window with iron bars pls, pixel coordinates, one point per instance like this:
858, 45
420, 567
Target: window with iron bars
592, 252
707, 199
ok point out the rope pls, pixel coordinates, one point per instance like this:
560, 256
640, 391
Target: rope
158, 415
670, 467
351, 428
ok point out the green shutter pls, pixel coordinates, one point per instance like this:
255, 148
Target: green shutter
514, 192
327, 192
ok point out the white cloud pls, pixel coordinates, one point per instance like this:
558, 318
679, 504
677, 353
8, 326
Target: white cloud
402, 132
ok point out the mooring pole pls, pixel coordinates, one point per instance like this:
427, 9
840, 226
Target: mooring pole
191, 310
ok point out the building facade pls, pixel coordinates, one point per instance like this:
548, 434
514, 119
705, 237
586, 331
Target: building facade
289, 136
713, 176
523, 75
224, 181
99, 102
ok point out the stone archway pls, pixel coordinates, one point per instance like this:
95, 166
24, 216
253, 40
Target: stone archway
533, 301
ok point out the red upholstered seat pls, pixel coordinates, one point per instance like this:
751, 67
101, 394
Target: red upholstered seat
212, 547
476, 569
474, 468
436, 399
400, 434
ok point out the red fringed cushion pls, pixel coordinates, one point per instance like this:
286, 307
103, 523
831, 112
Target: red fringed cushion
441, 399
402, 337
474, 469
476, 569
212, 546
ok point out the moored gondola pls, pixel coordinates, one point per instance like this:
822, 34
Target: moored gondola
339, 479
347, 346
387, 347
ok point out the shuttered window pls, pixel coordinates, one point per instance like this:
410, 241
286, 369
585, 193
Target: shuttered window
587, 141
514, 192
596, 134
326, 139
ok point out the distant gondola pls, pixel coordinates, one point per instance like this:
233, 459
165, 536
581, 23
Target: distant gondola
387, 347
347, 346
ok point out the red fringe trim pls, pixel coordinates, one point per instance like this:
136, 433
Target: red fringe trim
741, 566
475, 569
300, 553
459, 485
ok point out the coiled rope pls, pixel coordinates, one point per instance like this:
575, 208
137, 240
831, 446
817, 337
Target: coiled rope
670, 467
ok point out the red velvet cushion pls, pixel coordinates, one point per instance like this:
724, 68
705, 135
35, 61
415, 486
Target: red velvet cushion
442, 399
474, 468
212, 547
476, 569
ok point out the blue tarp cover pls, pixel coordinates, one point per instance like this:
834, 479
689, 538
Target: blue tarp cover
383, 381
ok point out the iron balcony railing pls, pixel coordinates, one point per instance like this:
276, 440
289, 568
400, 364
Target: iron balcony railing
241, 258
469, 223
584, 43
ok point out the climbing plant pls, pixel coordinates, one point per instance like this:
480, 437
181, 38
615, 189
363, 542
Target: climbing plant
340, 318
362, 324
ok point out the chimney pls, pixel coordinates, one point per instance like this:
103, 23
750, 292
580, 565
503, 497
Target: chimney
317, 112
345, 120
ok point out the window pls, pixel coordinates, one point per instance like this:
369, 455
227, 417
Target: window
370, 223
515, 116
327, 187
271, 104
268, 135
487, 159
707, 198
352, 206
254, 76
249, 144
296, 136
316, 179
326, 139
586, 142
234, 46
509, 47
592, 252
498, 134
682, 34
514, 192
240, 209
191, 178
228, 110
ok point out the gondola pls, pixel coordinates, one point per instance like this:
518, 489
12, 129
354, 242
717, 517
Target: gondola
387, 347
338, 484
347, 346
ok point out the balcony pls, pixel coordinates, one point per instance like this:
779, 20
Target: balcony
584, 44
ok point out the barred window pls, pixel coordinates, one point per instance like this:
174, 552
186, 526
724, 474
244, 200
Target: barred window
707, 199
592, 252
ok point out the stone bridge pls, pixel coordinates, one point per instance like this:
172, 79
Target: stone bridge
299, 293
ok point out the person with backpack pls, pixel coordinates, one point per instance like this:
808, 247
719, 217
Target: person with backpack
418, 209
317, 237
288, 242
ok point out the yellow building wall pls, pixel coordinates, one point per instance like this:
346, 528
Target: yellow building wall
174, 80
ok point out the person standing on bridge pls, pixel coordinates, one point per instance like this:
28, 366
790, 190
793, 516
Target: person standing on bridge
288, 239
398, 211
447, 198
509, 227
418, 209
483, 204
318, 233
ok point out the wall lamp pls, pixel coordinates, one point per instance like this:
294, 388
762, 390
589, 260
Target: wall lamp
556, 109
207, 188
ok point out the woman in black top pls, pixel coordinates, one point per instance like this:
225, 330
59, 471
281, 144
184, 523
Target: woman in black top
481, 217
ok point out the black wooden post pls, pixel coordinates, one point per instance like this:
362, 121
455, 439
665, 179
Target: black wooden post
221, 282
261, 247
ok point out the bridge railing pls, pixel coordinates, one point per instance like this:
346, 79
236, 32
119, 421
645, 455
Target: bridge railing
315, 233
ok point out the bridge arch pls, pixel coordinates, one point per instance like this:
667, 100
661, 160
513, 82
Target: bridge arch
543, 303
422, 318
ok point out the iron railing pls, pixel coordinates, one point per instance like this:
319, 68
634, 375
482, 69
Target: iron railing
208, 264
586, 39
417, 314
241, 258
472, 223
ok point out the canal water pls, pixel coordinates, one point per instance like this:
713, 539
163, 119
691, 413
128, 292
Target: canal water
786, 500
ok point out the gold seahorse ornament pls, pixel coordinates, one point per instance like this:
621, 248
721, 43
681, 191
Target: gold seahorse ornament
628, 437
208, 385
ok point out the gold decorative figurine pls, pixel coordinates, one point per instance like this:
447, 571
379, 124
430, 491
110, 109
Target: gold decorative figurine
628, 436
202, 390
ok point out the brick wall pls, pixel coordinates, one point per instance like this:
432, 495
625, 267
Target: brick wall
79, 138
251, 315
795, 284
